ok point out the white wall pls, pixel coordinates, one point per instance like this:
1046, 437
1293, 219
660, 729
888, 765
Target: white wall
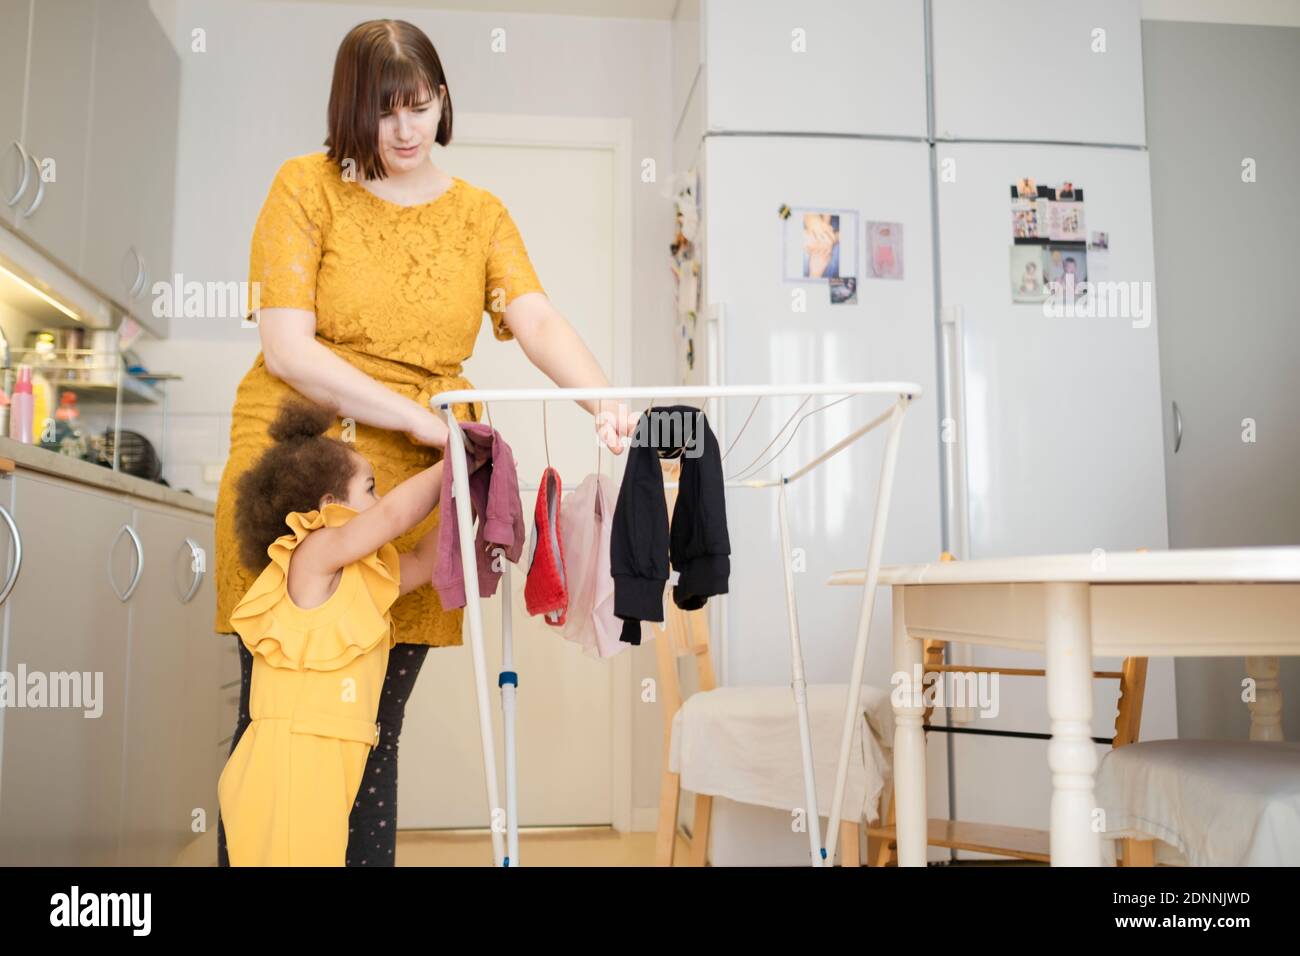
258, 95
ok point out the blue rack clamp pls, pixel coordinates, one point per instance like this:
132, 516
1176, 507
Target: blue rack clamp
823, 853
508, 677
506, 861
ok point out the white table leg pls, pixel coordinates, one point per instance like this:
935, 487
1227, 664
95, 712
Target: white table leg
1071, 755
1266, 708
909, 740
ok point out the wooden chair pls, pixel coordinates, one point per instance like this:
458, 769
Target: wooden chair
686, 635
1016, 842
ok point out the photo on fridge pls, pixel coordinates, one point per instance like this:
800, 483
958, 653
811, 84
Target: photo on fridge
844, 291
1027, 281
884, 250
1067, 268
820, 244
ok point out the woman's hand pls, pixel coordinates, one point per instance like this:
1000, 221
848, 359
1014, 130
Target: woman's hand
427, 429
615, 426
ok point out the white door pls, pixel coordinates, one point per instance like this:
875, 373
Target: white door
562, 201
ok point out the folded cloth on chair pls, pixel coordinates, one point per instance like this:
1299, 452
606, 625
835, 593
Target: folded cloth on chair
742, 743
494, 500
1219, 802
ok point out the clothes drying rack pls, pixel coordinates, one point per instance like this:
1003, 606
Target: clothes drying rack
503, 820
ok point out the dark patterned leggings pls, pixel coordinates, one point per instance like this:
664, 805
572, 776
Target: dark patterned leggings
372, 825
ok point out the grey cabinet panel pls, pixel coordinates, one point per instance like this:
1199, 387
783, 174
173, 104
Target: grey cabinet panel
16, 17
57, 127
61, 771
159, 781
132, 156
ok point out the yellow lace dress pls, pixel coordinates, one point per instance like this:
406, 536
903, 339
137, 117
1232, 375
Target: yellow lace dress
400, 293
289, 785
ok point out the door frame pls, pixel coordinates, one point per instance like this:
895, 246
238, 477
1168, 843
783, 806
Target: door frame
614, 136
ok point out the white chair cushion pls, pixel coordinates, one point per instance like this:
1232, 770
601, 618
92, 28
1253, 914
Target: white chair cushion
743, 743
1221, 803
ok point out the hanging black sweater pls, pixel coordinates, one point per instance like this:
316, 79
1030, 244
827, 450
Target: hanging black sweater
641, 545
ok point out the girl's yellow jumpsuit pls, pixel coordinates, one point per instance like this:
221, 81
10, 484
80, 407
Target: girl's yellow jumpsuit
289, 786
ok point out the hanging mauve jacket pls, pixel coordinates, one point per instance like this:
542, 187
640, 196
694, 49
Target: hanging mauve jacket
494, 501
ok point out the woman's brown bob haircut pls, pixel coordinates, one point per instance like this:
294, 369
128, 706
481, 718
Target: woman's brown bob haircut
381, 64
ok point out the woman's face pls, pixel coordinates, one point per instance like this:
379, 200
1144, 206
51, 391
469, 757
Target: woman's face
407, 133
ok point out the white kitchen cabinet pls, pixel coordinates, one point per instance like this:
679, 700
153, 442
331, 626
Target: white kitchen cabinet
55, 130
61, 770
15, 15
819, 66
124, 787
92, 86
169, 786
132, 167
1038, 70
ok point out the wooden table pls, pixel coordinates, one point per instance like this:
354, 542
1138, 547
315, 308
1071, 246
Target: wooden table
1195, 603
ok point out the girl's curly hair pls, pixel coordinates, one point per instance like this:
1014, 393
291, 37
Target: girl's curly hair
292, 475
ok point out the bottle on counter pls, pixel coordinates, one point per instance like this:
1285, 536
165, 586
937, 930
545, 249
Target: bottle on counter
4, 413
42, 407
21, 406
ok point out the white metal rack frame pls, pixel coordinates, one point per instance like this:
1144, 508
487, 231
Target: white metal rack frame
503, 821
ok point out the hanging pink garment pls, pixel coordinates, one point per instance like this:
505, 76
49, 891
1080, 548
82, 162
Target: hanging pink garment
585, 523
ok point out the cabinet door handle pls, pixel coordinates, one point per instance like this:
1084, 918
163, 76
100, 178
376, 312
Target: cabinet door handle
134, 288
27, 176
18, 554
40, 190
198, 566
1178, 429
139, 564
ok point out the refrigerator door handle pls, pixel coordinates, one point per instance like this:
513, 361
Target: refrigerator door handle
953, 436
956, 505
1178, 428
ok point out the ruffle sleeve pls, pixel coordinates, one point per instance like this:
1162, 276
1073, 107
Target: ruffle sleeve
352, 621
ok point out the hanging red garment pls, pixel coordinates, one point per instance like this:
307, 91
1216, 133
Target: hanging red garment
546, 589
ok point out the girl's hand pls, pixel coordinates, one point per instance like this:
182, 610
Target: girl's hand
616, 426
428, 429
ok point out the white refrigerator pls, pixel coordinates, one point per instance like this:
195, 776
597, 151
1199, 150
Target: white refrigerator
1055, 437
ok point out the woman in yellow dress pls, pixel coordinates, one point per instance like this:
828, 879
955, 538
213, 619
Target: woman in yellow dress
371, 269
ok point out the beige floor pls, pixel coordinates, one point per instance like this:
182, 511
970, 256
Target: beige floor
569, 846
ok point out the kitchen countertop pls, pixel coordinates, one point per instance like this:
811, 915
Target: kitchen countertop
35, 458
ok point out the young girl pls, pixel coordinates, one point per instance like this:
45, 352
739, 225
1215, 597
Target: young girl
317, 623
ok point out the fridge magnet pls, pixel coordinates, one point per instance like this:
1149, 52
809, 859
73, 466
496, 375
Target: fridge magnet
1099, 241
1026, 189
1027, 284
820, 244
844, 291
884, 250
784, 211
